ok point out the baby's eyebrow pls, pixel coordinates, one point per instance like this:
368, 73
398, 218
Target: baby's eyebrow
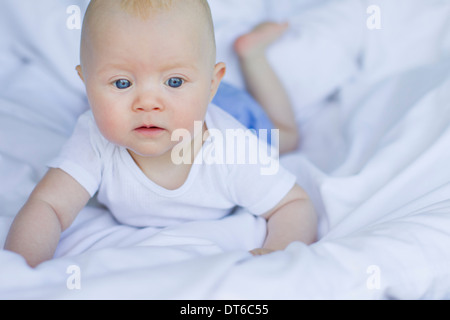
178, 65
170, 66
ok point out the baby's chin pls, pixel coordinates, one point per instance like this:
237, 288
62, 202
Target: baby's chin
149, 153
139, 148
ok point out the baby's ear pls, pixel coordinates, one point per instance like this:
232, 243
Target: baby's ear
80, 72
219, 72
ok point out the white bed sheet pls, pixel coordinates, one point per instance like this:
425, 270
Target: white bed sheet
374, 159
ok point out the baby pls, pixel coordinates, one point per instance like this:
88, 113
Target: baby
150, 73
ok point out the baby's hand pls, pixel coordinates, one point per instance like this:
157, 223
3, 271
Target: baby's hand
261, 251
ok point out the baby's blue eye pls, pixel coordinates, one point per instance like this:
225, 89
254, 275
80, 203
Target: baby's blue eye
175, 82
122, 84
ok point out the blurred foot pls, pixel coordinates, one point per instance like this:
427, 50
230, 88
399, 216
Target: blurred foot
256, 41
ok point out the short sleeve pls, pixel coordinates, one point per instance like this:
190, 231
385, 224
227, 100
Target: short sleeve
259, 186
81, 156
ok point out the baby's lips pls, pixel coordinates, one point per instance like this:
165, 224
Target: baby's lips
151, 126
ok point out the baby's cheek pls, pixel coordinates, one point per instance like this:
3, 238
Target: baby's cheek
110, 129
187, 123
188, 120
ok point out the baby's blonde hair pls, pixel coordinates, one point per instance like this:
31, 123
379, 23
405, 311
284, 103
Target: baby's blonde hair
141, 8
144, 8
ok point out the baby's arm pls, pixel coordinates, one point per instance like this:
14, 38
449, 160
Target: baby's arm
51, 208
293, 219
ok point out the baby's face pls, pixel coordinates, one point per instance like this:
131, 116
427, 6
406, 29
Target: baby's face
145, 79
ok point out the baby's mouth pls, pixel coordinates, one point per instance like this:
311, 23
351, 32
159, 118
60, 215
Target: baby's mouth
150, 131
149, 127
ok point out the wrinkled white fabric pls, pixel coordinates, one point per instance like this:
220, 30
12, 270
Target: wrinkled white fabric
373, 109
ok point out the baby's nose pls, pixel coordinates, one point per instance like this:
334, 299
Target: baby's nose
147, 107
148, 101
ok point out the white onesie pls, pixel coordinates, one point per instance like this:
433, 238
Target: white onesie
211, 191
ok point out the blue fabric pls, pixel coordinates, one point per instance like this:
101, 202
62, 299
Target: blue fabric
243, 107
